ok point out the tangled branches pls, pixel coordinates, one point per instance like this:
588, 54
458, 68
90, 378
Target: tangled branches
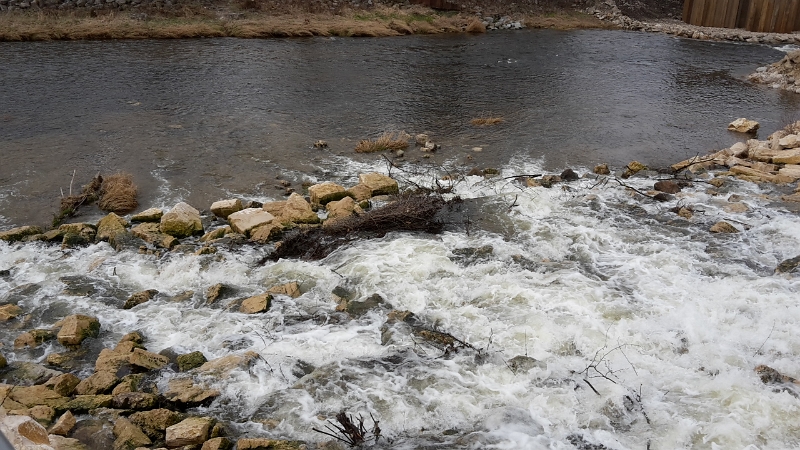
347, 431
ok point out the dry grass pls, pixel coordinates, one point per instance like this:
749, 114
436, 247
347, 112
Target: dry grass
387, 141
118, 194
486, 121
476, 26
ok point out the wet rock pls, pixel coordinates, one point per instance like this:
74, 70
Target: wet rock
218, 291
128, 435
64, 424
33, 338
266, 233
421, 139
110, 226
521, 364
787, 157
31, 396
743, 125
148, 360
181, 221
295, 209
97, 383
549, 180
113, 362
256, 304
148, 215
225, 208
342, 294
217, 443
28, 373
341, 209
21, 292
218, 233
379, 184
633, 168
42, 414
320, 144
191, 361
663, 197
360, 192
76, 328
185, 392
757, 176
139, 298
268, 444
96, 433
3, 361
222, 367
155, 422
789, 265
72, 240
790, 171
65, 443
9, 311
137, 401
125, 241
723, 227
191, 431
471, 255
717, 182
291, 289
668, 186
740, 150
247, 219
23, 433
323, 193
686, 213
128, 383
17, 234
602, 169
63, 384
150, 232
569, 175
359, 308
85, 231
736, 208
789, 142
86, 403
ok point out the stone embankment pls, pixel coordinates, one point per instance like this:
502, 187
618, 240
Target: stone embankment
784, 74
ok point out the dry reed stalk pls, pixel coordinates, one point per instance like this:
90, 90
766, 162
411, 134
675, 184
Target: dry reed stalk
476, 26
118, 194
486, 121
387, 141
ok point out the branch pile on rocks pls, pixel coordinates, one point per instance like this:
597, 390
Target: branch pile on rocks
784, 74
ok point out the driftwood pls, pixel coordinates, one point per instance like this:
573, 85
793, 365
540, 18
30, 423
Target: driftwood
71, 203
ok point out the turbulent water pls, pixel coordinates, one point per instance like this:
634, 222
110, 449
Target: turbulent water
584, 315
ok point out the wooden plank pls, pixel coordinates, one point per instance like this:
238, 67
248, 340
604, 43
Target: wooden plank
687, 10
732, 14
741, 21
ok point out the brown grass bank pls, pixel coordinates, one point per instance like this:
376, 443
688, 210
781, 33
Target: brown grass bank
199, 21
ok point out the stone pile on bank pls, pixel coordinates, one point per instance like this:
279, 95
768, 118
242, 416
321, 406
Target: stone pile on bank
784, 74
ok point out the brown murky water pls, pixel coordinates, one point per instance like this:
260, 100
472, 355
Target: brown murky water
199, 120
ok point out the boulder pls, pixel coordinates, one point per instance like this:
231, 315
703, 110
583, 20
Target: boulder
787, 157
757, 176
139, 298
137, 401
110, 226
291, 289
26, 373
181, 221
42, 414
723, 227
155, 422
97, 383
788, 265
128, 435
222, 367
668, 186
217, 443
148, 360
111, 361
3, 361
9, 311
266, 233
341, 209
86, 231
63, 384
17, 234
743, 125
64, 424
224, 208
191, 361
790, 171
360, 192
379, 184
736, 208
33, 338
217, 233
790, 141
184, 391
86, 403
128, 383
326, 192
247, 219
125, 240
357, 308
150, 232
256, 304
602, 169
268, 444
24, 432
65, 443
218, 291
294, 210
633, 168
740, 150
191, 431
148, 215
30, 396
76, 328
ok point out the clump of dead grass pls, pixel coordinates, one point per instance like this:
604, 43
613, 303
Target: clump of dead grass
486, 121
387, 141
118, 194
476, 26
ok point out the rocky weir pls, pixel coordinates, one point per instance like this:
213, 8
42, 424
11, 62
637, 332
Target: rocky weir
222, 345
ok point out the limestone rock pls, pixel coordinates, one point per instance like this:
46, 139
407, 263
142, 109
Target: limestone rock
111, 361
217, 443
268, 444
148, 215
789, 265
110, 226
341, 209
85, 403
191, 361
87, 231
291, 289
360, 192
128, 435
148, 360
668, 186
31, 396
633, 168
790, 171
266, 233
9, 311
326, 192
758, 176
356, 308
3, 362
63, 384
151, 232
42, 413
191, 431
736, 208
222, 367
225, 208
186, 392
790, 141
247, 219
128, 383
97, 383
379, 184
76, 328
33, 338
218, 233
65, 443
137, 401
17, 234
64, 424
256, 304
602, 169
218, 291
787, 157
26, 373
294, 210
139, 298
723, 227
740, 149
23, 432
743, 125
156, 421
181, 221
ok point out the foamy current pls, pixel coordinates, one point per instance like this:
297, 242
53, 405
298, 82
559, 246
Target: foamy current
645, 328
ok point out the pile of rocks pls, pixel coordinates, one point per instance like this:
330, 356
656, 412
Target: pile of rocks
784, 74
154, 230
502, 23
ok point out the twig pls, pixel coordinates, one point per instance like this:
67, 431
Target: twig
71, 181
632, 188
765, 340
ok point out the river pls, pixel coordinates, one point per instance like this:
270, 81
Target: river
596, 317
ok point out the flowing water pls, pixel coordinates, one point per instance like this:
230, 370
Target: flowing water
586, 316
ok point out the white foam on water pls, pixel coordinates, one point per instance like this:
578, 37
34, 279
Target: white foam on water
608, 291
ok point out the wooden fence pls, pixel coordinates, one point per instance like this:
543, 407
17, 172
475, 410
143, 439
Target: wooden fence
774, 16
447, 5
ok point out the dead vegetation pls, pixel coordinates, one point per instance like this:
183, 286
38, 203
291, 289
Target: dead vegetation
71, 203
118, 194
486, 121
387, 141
346, 430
